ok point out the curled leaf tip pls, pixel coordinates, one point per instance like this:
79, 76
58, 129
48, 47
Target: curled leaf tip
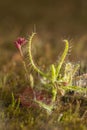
65, 40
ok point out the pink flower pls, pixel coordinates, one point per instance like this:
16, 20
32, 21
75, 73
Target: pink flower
20, 41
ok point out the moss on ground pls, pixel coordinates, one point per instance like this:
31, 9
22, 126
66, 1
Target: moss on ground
70, 114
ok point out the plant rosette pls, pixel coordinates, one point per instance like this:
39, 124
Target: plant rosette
28, 97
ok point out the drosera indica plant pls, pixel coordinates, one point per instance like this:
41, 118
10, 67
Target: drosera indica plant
56, 82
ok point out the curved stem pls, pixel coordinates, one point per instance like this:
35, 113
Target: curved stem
30, 56
62, 57
23, 61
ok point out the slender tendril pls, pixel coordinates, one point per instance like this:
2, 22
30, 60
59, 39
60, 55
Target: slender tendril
62, 57
30, 56
23, 62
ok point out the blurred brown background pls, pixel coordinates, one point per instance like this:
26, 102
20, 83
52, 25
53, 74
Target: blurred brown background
64, 17
54, 21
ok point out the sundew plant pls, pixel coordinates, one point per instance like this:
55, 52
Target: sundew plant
54, 81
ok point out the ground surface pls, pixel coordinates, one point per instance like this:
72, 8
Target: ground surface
70, 113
